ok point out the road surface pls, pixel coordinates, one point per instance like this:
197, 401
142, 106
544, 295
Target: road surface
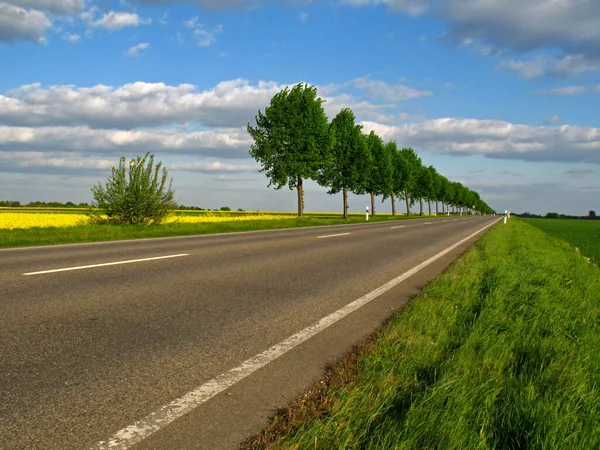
97, 337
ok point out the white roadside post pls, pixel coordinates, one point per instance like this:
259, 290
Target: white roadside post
505, 215
367, 213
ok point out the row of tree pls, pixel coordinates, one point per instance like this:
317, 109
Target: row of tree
294, 141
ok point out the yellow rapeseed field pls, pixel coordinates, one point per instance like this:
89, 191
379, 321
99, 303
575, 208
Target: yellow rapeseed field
11, 221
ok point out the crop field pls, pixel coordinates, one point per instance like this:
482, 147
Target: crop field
500, 351
66, 225
582, 234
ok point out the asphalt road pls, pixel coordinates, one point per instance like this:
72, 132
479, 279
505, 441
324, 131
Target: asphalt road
85, 353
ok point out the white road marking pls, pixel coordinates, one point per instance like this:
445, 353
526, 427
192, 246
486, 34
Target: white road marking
427, 223
332, 235
399, 226
116, 263
127, 437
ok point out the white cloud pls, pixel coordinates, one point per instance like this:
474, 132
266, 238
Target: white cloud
71, 37
572, 27
412, 7
51, 6
137, 50
542, 65
530, 69
391, 93
200, 34
554, 119
17, 24
303, 17
566, 90
496, 139
597, 89
231, 142
228, 104
113, 21
216, 166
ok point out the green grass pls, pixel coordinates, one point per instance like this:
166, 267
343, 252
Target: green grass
582, 234
94, 233
501, 351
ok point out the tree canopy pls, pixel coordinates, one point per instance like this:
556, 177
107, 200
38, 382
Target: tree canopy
292, 139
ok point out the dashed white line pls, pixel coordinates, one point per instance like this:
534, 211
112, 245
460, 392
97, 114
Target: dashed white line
127, 437
332, 235
116, 263
427, 223
399, 226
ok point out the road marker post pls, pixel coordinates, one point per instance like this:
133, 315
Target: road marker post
367, 213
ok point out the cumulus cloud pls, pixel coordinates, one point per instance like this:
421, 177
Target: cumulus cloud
71, 37
381, 90
18, 24
543, 65
554, 119
214, 167
570, 26
137, 50
201, 35
229, 143
228, 104
496, 139
113, 21
51, 6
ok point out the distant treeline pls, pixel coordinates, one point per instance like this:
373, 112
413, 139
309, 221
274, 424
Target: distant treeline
38, 204
553, 215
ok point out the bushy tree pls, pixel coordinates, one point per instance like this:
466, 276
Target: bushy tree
409, 173
380, 179
136, 193
292, 139
350, 158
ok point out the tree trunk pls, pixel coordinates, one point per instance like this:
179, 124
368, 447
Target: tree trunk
393, 205
407, 203
421, 206
372, 203
300, 197
345, 189
429, 205
436, 207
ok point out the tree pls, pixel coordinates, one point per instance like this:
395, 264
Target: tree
409, 171
350, 159
292, 139
380, 175
424, 187
136, 193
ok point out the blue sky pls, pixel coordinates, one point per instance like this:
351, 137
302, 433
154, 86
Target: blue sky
501, 95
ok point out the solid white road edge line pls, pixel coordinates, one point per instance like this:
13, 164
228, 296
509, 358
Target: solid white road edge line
66, 269
332, 235
125, 438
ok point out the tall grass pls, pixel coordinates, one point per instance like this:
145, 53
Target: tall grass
501, 351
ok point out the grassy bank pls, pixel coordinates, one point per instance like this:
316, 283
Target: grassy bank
94, 233
582, 234
501, 351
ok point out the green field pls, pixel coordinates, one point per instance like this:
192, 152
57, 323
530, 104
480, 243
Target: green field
501, 351
582, 234
106, 232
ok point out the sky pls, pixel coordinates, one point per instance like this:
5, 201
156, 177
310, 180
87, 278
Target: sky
500, 95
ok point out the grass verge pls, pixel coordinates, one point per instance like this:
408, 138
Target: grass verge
582, 234
95, 233
500, 351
